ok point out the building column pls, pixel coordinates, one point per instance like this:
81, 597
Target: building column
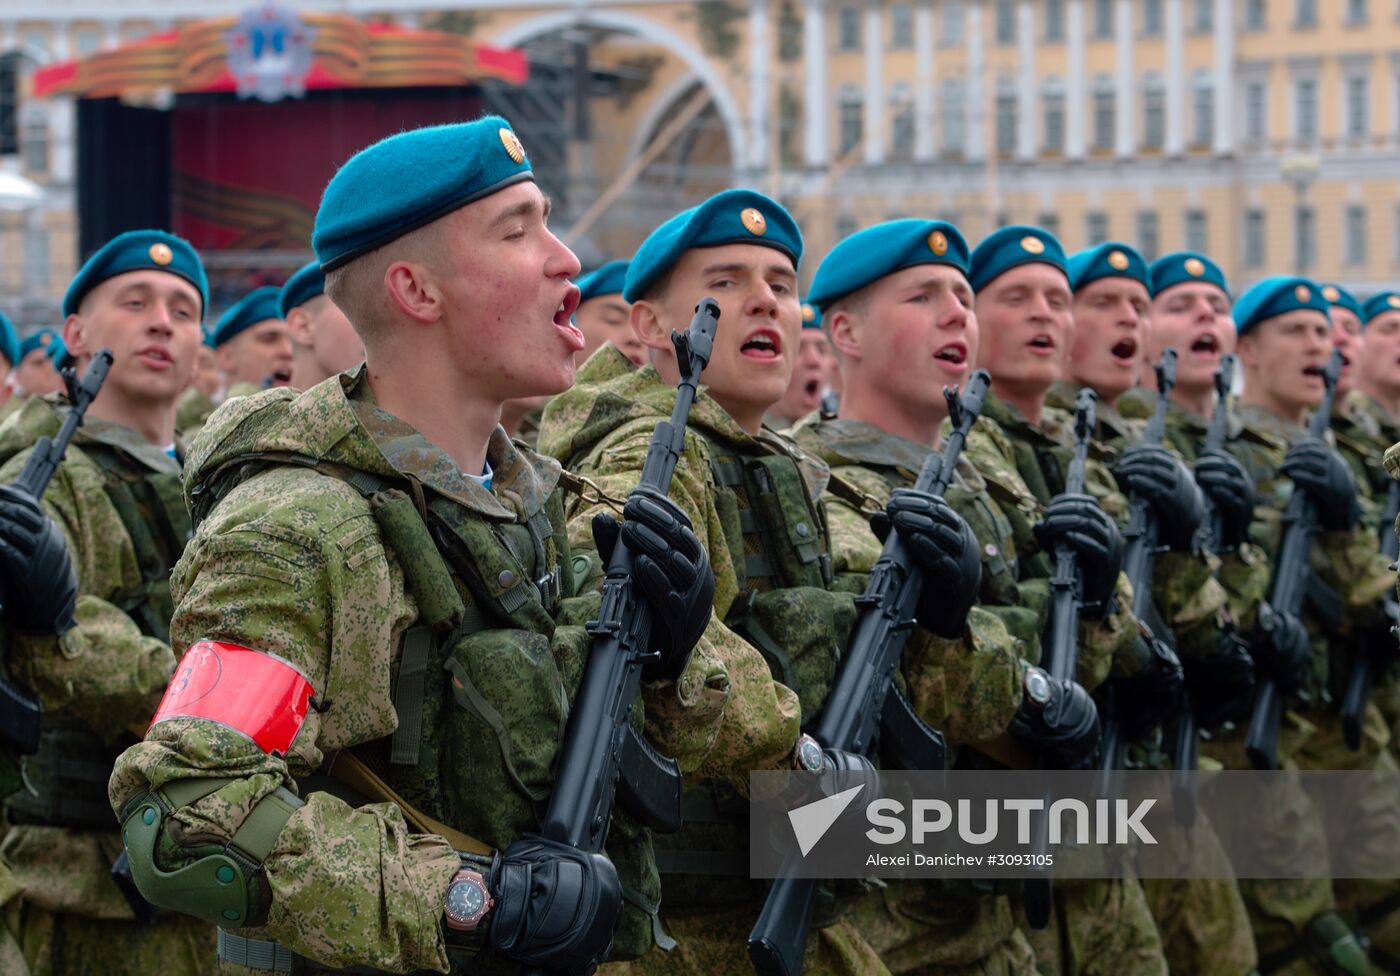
976, 79
1175, 142
1224, 77
1025, 81
1125, 100
816, 111
760, 54
923, 81
1076, 96
874, 121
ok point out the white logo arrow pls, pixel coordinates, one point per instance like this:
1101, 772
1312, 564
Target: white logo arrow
811, 821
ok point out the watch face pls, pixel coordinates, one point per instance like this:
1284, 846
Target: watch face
466, 900
1037, 686
809, 754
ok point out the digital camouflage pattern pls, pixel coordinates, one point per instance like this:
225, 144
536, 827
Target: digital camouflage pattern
602, 428
191, 411
969, 688
100, 679
292, 561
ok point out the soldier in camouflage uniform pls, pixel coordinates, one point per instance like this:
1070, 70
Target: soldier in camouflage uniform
1204, 922
811, 376
604, 316
380, 588
1024, 307
9, 356
1285, 337
896, 300
781, 615
252, 343
323, 340
116, 498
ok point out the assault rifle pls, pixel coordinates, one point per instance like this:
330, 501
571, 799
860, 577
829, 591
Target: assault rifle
1293, 585
864, 706
1375, 644
20, 714
1060, 653
602, 756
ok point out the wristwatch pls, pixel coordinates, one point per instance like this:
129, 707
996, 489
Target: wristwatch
1036, 686
807, 754
468, 901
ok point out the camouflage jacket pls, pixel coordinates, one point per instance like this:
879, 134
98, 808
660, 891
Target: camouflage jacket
192, 410
601, 429
292, 561
1364, 430
106, 674
970, 687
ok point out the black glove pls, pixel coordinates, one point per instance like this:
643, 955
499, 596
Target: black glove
1231, 491
40, 585
1318, 470
1151, 471
1284, 652
1058, 721
1222, 684
944, 548
1080, 523
556, 907
1145, 699
670, 570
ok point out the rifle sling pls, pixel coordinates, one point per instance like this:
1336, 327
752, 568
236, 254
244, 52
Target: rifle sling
350, 770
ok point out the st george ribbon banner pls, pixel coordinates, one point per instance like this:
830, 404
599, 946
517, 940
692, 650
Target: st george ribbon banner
982, 824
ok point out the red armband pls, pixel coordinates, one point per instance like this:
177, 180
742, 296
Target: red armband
257, 694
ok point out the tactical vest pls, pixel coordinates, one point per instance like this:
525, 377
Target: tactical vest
775, 536
484, 676
67, 777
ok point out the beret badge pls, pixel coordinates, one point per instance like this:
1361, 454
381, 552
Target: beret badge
754, 222
514, 149
1118, 261
1302, 293
161, 254
1032, 245
938, 243
1331, 294
1195, 267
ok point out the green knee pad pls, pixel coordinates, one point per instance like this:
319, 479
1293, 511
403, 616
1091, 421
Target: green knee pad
1335, 947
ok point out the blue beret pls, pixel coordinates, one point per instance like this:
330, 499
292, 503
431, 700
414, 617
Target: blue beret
1180, 267
411, 179
1109, 260
1275, 296
731, 217
1010, 247
139, 250
308, 282
870, 254
607, 279
811, 316
9, 340
1386, 301
258, 305
43, 339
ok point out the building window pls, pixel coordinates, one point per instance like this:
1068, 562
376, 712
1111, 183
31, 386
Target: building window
952, 22
36, 258
1304, 231
1006, 122
848, 33
1151, 17
1203, 16
86, 40
34, 138
1195, 231
1103, 117
903, 148
1054, 20
1103, 18
1356, 13
1049, 222
1147, 234
1054, 121
1154, 114
1256, 114
1095, 228
901, 26
1254, 15
1253, 239
1358, 106
1203, 97
1006, 21
1304, 13
1305, 109
954, 117
1356, 237
850, 124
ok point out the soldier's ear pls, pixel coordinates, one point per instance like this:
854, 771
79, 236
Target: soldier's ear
73, 335
647, 324
299, 328
1247, 348
846, 335
413, 291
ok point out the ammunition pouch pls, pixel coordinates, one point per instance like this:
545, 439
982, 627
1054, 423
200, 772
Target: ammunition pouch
66, 781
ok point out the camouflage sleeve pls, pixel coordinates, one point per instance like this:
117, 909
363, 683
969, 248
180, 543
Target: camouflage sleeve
726, 715
1192, 600
103, 671
1351, 563
1245, 575
291, 563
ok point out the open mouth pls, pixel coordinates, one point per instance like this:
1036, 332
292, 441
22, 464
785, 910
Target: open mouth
954, 354
811, 389
1206, 343
1042, 341
762, 345
563, 319
1125, 350
1313, 371
157, 356
282, 377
